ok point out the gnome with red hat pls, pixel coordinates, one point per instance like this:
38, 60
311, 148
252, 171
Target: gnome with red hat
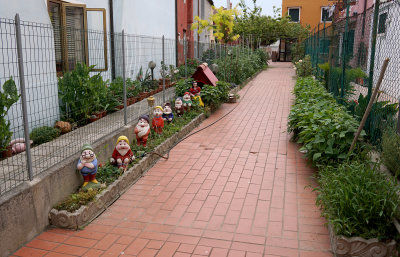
187, 101
179, 107
142, 130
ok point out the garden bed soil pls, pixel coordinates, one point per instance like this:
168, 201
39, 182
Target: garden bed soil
357, 246
85, 214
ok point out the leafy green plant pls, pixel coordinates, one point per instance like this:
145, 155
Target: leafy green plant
334, 79
8, 96
183, 86
75, 201
304, 67
211, 96
324, 127
44, 134
223, 90
382, 115
391, 151
358, 200
81, 94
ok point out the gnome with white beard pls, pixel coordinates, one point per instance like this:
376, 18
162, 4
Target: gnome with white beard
122, 154
168, 116
142, 130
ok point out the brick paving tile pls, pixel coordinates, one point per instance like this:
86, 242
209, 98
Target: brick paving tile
234, 189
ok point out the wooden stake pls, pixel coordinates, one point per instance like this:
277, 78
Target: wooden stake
369, 107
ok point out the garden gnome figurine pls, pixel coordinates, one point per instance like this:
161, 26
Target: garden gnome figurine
122, 154
187, 101
158, 121
87, 165
168, 116
142, 130
179, 107
195, 93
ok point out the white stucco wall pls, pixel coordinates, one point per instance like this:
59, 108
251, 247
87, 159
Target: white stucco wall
144, 23
387, 47
39, 64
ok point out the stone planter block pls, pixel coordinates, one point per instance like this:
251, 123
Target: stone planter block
86, 214
357, 246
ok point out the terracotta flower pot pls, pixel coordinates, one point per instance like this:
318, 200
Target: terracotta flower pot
7, 153
102, 114
93, 118
130, 100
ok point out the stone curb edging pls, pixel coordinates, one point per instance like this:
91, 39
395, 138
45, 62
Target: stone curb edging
357, 246
85, 214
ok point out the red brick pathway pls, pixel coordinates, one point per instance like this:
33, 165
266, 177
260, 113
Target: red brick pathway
235, 189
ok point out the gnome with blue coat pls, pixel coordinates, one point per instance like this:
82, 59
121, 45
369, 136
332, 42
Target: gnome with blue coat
87, 165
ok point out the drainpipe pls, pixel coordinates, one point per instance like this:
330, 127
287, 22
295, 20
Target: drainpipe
110, 3
176, 33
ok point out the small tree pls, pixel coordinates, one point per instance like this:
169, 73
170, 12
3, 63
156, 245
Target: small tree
221, 23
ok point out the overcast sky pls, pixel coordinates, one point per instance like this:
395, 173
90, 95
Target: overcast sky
266, 5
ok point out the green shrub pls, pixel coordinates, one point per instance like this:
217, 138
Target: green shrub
383, 115
324, 127
183, 86
75, 201
44, 134
304, 67
210, 96
391, 151
81, 94
358, 200
8, 96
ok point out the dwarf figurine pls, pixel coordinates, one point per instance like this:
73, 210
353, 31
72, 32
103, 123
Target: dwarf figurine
158, 122
122, 154
179, 107
195, 93
167, 115
142, 130
87, 165
187, 101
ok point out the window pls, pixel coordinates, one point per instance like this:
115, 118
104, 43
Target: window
294, 14
382, 23
69, 23
325, 14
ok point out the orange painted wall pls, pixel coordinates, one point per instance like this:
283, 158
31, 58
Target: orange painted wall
310, 10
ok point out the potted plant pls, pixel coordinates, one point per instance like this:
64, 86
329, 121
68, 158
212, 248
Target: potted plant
8, 96
360, 204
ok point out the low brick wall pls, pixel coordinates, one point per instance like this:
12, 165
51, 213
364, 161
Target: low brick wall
24, 212
86, 214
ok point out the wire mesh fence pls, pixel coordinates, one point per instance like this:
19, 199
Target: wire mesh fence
95, 80
348, 53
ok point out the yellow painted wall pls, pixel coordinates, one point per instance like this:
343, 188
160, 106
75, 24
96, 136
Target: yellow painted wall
310, 10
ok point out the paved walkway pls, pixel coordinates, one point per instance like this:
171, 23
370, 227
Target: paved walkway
234, 189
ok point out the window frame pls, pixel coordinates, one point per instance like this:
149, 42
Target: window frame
379, 23
104, 37
296, 7
63, 36
322, 8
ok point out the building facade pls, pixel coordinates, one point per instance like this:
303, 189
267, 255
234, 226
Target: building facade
308, 12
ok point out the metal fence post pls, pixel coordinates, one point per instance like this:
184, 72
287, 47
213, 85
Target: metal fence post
23, 96
344, 50
318, 49
373, 46
123, 77
163, 61
398, 120
185, 54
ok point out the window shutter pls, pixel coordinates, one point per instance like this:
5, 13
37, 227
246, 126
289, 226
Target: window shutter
55, 18
75, 35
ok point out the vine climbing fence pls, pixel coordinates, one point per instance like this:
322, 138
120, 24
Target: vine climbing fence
347, 51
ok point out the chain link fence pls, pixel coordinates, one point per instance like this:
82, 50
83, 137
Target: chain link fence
347, 54
95, 80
